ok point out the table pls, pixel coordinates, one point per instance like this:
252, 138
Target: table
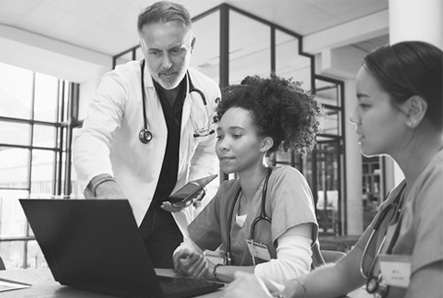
44, 286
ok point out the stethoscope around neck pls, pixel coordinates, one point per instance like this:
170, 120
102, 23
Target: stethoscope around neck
374, 284
145, 135
262, 216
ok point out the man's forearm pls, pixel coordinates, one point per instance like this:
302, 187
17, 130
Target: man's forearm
103, 186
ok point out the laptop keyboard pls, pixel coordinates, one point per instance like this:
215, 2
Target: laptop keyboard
181, 284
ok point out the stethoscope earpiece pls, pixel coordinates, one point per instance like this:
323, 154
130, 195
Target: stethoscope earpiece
145, 136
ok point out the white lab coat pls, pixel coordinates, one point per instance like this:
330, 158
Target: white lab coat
108, 142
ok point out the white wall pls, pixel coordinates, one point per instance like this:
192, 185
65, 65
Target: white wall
49, 56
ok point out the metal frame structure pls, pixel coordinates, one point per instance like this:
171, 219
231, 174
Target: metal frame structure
67, 115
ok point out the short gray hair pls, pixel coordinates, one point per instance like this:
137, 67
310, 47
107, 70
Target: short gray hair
162, 12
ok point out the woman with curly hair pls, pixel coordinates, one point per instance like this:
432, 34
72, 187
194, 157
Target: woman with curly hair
263, 221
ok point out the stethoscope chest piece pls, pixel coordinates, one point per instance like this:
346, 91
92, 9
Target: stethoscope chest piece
374, 286
145, 136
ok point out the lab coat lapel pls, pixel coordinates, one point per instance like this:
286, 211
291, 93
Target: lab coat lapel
186, 125
186, 112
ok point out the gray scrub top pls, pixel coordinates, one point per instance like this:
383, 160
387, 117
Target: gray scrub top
289, 203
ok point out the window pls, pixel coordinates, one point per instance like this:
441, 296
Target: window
328, 159
34, 159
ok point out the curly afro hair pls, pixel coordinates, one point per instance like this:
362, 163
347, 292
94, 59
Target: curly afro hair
280, 109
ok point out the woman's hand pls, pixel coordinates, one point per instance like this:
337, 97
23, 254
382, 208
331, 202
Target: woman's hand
189, 263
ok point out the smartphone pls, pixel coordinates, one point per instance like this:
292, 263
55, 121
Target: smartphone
186, 194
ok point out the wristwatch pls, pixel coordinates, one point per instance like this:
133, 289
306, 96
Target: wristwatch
91, 189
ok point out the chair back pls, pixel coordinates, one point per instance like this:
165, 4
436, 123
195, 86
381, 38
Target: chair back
2, 264
321, 256
332, 256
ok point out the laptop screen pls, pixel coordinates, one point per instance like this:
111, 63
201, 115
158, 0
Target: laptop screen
93, 244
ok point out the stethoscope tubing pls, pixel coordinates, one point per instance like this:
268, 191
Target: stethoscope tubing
373, 282
145, 134
262, 215
377, 225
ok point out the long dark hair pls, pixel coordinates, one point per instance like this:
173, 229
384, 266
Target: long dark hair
410, 68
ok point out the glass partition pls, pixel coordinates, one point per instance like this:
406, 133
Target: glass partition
46, 98
249, 48
16, 88
206, 54
329, 155
289, 62
15, 133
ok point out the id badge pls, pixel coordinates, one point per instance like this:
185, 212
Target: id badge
258, 250
395, 269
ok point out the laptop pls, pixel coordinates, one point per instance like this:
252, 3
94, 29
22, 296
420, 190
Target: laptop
95, 245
